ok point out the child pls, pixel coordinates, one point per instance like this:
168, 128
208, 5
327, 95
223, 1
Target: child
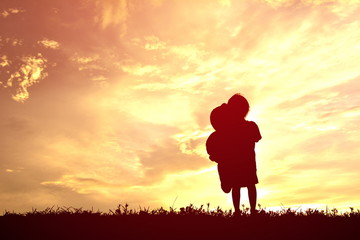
232, 146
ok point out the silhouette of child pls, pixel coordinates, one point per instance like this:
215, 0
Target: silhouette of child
232, 146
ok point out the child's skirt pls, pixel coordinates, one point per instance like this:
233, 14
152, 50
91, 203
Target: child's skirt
236, 175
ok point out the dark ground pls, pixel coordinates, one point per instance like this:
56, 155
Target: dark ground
137, 226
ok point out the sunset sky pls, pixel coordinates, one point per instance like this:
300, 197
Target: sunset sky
107, 102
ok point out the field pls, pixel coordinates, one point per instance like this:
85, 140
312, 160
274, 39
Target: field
185, 223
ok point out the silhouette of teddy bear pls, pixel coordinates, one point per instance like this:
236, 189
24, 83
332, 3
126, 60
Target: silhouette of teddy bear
216, 144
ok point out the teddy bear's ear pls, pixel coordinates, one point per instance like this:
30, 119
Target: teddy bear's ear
218, 116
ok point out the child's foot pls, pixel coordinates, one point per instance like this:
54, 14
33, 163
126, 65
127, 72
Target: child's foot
237, 213
253, 212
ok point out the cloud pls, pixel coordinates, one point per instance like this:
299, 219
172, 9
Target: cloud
162, 160
30, 72
113, 12
7, 12
55, 40
49, 43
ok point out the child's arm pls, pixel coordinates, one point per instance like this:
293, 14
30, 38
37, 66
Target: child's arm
255, 132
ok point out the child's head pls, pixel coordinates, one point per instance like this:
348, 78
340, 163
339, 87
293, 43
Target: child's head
238, 105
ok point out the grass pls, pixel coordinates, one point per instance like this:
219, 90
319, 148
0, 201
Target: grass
188, 222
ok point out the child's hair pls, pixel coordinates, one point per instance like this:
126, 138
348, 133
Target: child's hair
239, 104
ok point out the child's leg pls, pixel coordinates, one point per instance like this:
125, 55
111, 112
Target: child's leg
252, 197
236, 198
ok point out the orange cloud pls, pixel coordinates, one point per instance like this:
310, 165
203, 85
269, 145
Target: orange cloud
49, 43
30, 73
113, 12
7, 12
